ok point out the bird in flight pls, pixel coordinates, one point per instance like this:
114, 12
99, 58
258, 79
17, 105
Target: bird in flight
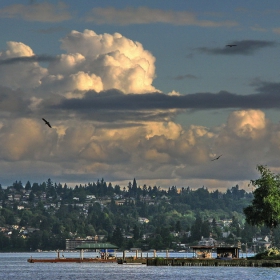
216, 158
47, 123
231, 46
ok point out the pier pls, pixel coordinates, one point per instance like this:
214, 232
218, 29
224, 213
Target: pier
212, 262
104, 258
226, 256
202, 256
76, 260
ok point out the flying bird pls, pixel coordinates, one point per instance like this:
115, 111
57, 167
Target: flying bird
47, 123
216, 158
231, 46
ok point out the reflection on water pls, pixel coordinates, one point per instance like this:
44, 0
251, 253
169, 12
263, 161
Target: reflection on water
14, 266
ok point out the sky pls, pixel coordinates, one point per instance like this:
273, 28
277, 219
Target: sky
139, 89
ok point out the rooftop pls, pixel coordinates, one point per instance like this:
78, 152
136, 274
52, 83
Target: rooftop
97, 246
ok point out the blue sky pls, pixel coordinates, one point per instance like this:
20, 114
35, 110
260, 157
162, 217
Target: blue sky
144, 89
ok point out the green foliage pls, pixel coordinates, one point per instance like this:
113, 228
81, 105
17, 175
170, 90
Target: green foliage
117, 237
51, 215
270, 254
265, 207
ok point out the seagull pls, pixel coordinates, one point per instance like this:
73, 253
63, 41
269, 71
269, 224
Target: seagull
216, 158
231, 46
47, 123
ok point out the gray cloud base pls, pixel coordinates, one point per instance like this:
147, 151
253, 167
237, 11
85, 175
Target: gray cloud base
33, 58
268, 97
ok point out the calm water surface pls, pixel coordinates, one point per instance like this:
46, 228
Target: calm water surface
14, 266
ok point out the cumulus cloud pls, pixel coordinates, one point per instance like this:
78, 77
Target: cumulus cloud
120, 62
13, 103
43, 12
144, 15
244, 47
92, 62
19, 67
108, 119
24, 139
248, 124
244, 141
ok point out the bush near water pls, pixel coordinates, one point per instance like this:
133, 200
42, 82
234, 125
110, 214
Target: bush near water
270, 254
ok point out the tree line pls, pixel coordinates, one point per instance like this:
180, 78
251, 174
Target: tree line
172, 213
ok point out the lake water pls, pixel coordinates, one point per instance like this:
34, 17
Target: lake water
14, 266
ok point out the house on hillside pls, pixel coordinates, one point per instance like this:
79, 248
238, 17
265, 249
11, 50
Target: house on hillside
207, 241
17, 197
261, 243
142, 220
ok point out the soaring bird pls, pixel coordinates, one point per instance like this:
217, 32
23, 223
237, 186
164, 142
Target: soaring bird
231, 46
216, 158
47, 123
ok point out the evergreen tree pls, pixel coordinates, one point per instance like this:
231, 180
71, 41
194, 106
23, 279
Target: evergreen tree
28, 186
117, 237
136, 232
196, 229
178, 227
205, 229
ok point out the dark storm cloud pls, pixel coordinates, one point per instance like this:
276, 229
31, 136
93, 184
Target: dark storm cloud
33, 58
244, 47
268, 97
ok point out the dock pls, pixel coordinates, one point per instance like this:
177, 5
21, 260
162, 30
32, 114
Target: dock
202, 256
226, 256
212, 262
76, 260
166, 261
104, 258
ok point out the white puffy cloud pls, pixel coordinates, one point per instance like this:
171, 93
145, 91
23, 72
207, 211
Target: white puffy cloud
152, 151
82, 145
117, 60
23, 75
170, 130
247, 123
68, 84
67, 64
16, 49
92, 62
